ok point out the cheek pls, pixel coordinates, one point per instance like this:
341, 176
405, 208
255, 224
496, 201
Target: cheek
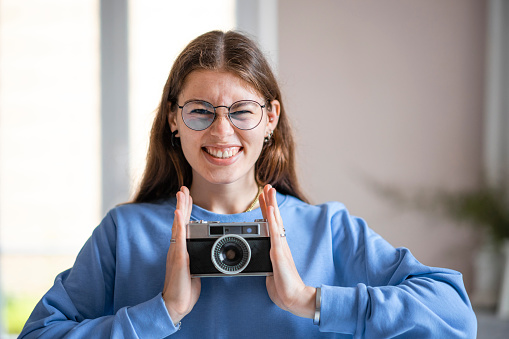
257, 143
189, 147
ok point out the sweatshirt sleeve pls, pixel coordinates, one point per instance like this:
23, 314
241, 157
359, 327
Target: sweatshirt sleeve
385, 292
80, 303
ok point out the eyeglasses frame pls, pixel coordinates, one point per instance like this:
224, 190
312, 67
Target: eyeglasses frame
228, 114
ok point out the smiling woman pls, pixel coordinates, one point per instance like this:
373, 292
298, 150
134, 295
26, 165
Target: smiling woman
222, 153
325, 273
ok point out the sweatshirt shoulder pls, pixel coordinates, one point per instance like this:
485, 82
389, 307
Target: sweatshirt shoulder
331, 207
141, 209
332, 213
133, 216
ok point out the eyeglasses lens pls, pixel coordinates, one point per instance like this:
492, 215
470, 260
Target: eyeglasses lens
198, 115
246, 114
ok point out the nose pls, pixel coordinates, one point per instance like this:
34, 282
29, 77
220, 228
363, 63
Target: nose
221, 125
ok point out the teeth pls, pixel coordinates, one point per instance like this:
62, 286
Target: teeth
223, 153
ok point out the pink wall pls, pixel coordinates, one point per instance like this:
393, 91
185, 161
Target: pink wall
391, 91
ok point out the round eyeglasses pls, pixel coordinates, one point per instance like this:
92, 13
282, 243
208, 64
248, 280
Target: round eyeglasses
199, 115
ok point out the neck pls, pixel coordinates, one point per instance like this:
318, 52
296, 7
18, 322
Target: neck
229, 198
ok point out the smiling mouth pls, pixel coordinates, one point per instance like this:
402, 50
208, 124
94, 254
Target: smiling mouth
222, 153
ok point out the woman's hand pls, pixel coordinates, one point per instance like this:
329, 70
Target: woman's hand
180, 292
286, 288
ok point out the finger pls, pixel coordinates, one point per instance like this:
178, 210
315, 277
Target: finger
180, 236
281, 232
266, 198
263, 206
180, 213
266, 191
189, 203
181, 200
273, 202
271, 198
189, 209
177, 207
273, 227
185, 199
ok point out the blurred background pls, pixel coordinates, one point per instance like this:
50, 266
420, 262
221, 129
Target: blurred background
410, 96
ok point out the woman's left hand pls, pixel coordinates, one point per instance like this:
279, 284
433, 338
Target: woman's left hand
286, 288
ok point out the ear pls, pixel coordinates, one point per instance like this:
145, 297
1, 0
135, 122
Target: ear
172, 119
273, 114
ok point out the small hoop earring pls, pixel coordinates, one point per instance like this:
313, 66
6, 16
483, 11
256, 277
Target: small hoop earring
268, 137
175, 141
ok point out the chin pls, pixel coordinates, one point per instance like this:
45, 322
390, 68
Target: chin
224, 176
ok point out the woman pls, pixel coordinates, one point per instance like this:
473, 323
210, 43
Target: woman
221, 149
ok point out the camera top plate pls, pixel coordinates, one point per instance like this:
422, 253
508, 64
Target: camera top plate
215, 229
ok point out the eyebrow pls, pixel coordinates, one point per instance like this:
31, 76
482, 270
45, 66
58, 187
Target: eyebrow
187, 101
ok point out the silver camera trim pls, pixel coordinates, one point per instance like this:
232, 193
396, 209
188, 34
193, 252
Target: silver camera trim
201, 229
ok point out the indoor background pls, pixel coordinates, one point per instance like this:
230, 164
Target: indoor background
387, 93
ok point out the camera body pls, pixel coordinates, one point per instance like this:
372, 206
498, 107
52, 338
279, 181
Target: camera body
228, 249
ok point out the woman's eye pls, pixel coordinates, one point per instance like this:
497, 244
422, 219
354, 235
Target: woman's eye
199, 111
240, 113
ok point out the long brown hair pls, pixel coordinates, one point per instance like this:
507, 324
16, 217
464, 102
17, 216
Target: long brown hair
167, 169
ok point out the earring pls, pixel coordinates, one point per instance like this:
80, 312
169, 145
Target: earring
175, 141
268, 137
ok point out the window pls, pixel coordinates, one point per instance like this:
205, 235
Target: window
49, 144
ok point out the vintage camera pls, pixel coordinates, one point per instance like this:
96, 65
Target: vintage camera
238, 248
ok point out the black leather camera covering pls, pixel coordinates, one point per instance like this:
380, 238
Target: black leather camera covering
201, 263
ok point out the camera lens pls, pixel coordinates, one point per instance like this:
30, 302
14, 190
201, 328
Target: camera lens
231, 254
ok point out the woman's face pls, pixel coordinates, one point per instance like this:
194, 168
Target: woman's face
222, 153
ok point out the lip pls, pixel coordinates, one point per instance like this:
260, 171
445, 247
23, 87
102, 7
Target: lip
219, 161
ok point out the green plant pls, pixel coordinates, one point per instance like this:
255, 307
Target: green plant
484, 207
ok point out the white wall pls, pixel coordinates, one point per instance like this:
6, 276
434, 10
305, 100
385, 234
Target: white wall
388, 91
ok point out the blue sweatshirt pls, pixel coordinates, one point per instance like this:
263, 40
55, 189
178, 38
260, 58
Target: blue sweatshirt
369, 288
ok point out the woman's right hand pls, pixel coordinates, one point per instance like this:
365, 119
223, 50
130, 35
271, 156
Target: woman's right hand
180, 292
